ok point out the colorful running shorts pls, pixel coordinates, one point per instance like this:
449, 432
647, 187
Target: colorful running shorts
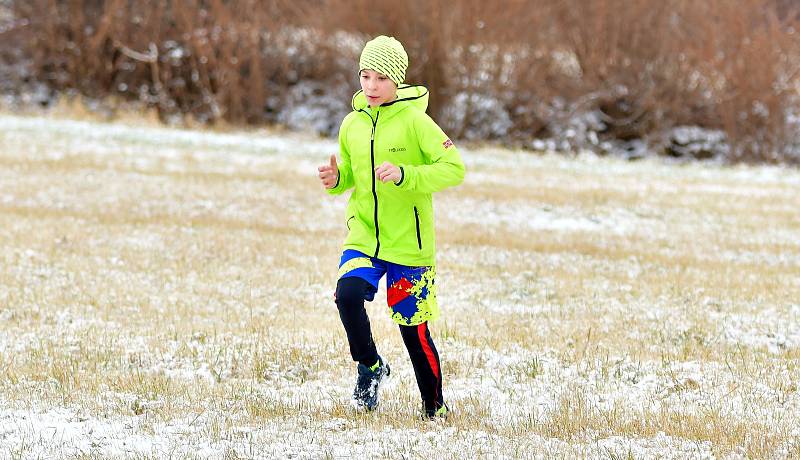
410, 291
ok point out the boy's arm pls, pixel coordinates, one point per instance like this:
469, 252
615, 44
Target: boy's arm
444, 167
345, 180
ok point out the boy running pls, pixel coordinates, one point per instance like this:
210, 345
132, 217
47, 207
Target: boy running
393, 156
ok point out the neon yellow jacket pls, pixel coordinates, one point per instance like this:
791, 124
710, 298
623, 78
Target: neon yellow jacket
394, 222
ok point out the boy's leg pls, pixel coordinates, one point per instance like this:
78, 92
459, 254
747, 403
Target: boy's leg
411, 295
358, 282
427, 367
350, 295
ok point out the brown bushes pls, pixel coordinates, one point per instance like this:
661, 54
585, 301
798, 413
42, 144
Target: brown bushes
517, 70
214, 59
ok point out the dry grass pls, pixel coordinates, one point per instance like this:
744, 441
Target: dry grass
175, 289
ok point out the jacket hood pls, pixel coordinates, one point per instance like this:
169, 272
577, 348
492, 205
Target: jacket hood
416, 95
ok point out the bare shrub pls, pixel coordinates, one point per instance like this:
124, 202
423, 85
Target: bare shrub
637, 67
756, 64
213, 59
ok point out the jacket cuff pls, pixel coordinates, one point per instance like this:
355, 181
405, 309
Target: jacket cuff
338, 178
402, 176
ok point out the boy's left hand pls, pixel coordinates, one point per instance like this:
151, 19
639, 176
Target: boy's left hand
388, 172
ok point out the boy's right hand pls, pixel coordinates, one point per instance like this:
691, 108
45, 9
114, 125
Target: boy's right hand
329, 174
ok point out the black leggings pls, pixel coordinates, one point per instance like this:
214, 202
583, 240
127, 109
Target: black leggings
351, 293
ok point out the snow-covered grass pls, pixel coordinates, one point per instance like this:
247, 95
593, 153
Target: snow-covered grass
168, 293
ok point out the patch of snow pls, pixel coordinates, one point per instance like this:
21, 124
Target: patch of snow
696, 142
777, 332
478, 116
513, 214
315, 107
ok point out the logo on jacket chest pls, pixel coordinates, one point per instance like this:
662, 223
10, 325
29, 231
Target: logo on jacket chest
396, 149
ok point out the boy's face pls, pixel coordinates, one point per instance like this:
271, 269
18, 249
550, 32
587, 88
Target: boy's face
377, 87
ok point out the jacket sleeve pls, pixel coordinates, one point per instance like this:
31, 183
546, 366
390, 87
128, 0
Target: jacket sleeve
345, 180
443, 166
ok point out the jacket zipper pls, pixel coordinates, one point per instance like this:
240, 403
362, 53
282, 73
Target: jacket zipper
419, 236
374, 191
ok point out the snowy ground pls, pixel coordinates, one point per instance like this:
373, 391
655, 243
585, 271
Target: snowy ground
167, 294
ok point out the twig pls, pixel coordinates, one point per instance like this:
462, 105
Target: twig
150, 58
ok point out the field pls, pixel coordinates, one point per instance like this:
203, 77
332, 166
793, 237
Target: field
167, 293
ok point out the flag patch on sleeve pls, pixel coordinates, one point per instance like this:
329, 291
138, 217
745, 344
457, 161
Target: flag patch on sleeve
447, 144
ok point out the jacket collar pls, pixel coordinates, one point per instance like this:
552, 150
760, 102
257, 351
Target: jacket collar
407, 95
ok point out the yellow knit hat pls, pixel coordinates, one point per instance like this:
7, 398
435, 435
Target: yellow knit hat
385, 55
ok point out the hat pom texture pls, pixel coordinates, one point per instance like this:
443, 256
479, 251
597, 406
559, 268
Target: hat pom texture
385, 55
